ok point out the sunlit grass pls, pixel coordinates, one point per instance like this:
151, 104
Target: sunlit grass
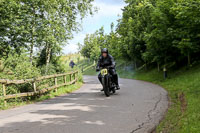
181, 83
90, 71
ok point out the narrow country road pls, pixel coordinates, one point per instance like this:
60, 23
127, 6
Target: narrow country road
136, 108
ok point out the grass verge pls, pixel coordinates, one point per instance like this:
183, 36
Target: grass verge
183, 87
90, 71
20, 102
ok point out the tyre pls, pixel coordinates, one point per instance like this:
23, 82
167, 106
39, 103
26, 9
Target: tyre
107, 91
106, 87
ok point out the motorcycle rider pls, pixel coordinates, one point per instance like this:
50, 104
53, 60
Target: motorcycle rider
106, 60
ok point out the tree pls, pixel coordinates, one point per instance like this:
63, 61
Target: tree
153, 32
187, 27
26, 25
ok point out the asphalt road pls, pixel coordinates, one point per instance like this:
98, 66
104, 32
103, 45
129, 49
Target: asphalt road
136, 108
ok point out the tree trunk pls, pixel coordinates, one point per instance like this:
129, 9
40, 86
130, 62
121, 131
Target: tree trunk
135, 65
32, 36
158, 64
31, 53
48, 56
32, 45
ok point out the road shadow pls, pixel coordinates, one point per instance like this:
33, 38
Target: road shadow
64, 112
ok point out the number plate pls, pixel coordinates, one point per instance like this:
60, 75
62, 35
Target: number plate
104, 72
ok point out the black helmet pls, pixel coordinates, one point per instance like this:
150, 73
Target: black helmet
104, 50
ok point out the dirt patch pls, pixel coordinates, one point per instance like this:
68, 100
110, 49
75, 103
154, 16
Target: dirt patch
183, 107
183, 102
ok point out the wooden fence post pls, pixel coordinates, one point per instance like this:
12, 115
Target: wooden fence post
4, 94
56, 83
65, 79
34, 87
74, 75
70, 77
77, 75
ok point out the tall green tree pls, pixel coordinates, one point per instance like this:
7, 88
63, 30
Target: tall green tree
162, 32
26, 24
187, 27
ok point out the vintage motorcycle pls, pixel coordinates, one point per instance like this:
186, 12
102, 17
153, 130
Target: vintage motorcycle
107, 82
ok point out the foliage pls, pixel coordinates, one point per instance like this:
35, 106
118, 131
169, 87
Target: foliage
32, 35
18, 67
38, 24
152, 32
93, 44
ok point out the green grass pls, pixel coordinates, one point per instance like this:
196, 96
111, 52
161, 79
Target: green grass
61, 91
90, 71
125, 74
183, 88
20, 102
79, 60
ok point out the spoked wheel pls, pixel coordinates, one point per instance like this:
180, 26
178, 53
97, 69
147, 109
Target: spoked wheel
106, 88
107, 91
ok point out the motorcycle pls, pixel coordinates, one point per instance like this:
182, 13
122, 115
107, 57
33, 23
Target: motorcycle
107, 82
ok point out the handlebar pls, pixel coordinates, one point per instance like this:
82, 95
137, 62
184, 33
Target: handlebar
107, 67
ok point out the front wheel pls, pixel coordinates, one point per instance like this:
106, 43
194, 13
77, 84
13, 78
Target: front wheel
107, 91
105, 86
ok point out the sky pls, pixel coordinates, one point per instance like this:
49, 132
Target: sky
109, 11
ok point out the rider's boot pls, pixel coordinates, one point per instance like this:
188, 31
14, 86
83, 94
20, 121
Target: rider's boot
117, 87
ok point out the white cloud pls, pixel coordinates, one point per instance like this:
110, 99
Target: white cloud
108, 9
72, 47
106, 14
105, 10
78, 38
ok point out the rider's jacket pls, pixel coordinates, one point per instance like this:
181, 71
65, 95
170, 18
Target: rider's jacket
105, 62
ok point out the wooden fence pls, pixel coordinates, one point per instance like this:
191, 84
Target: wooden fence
73, 77
84, 67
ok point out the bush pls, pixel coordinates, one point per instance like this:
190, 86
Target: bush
18, 67
80, 77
